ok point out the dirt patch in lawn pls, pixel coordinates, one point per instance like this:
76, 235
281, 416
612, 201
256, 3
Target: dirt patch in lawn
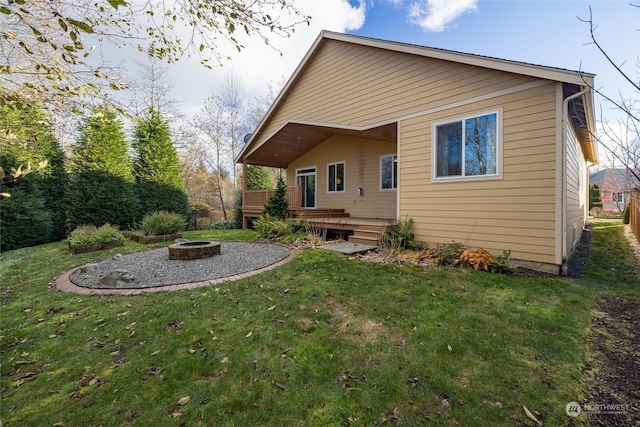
612, 373
612, 396
365, 328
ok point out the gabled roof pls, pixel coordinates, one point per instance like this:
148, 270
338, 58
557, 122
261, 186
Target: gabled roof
621, 179
540, 71
574, 82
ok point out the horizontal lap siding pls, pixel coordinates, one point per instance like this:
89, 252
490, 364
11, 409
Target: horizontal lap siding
362, 160
344, 83
515, 213
360, 86
576, 191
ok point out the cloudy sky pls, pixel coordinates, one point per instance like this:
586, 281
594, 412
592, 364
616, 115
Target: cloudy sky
539, 32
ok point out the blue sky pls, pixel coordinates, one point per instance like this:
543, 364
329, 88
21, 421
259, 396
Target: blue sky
539, 32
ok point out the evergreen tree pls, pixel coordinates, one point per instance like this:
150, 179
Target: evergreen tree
237, 209
258, 178
595, 198
277, 205
156, 168
102, 185
24, 218
31, 142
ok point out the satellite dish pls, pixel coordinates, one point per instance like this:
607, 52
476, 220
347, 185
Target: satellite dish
247, 137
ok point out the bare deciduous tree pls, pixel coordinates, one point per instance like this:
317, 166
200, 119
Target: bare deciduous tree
233, 97
211, 125
621, 140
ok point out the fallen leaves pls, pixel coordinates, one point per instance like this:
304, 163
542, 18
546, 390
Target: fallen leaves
280, 385
175, 325
495, 404
23, 378
532, 417
183, 401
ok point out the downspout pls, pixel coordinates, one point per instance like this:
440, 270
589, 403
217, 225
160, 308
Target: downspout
563, 213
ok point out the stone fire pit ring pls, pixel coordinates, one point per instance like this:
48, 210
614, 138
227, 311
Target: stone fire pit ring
193, 250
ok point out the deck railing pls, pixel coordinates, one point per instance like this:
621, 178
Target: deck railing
256, 199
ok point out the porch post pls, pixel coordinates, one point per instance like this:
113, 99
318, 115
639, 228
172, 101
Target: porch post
244, 193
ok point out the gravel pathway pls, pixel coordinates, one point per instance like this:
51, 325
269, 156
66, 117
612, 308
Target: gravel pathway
153, 267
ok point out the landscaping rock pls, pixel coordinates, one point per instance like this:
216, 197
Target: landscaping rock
117, 279
88, 268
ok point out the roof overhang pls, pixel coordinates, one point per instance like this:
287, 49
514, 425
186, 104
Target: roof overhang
581, 114
294, 139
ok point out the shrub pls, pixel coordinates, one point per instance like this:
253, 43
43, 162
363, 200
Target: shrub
89, 234
626, 214
502, 264
225, 224
477, 259
269, 227
400, 236
447, 253
202, 215
162, 222
596, 212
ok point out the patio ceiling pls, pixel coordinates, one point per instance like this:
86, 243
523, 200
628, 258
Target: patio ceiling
294, 139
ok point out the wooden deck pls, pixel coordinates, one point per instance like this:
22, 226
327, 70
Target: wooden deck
358, 230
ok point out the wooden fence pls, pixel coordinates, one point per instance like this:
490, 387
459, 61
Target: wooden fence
634, 213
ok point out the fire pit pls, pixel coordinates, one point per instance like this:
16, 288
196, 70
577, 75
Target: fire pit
193, 250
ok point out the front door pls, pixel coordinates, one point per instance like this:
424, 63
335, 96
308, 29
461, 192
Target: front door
307, 181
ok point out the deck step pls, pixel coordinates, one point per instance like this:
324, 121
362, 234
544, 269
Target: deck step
364, 240
370, 236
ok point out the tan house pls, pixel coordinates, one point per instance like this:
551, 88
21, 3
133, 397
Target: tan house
483, 151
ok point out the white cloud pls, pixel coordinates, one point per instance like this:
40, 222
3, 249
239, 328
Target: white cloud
258, 64
436, 15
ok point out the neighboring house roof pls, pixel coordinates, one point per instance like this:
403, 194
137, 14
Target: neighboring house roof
613, 179
581, 111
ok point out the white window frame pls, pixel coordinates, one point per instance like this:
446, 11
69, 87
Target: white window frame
434, 148
394, 177
344, 177
617, 197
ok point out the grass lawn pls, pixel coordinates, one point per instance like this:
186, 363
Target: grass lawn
325, 340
